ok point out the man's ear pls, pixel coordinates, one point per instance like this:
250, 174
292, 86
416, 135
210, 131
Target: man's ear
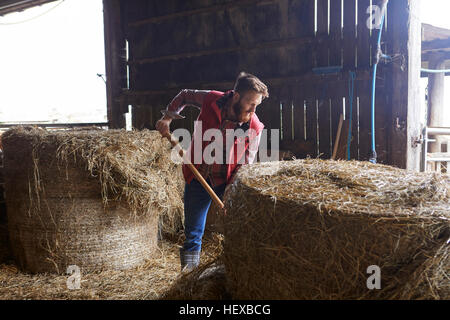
236, 97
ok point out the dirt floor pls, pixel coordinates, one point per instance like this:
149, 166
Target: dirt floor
149, 281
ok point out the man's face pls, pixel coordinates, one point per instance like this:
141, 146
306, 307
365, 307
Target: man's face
246, 106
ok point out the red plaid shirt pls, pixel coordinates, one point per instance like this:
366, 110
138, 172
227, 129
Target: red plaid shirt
217, 175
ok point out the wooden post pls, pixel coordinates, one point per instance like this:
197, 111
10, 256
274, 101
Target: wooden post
115, 63
403, 85
436, 105
414, 129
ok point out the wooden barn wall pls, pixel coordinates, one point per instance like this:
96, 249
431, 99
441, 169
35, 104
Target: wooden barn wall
204, 44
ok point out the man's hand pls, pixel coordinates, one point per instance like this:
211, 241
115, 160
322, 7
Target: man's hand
163, 126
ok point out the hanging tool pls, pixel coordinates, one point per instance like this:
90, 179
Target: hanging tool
338, 137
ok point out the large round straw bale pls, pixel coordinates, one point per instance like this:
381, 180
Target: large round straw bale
5, 251
90, 198
309, 229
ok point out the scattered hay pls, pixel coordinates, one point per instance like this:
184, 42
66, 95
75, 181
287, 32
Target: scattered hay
206, 282
93, 198
309, 229
156, 279
146, 282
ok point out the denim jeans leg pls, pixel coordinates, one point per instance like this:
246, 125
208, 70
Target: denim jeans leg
196, 205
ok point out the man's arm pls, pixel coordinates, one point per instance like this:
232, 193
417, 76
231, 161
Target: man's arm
185, 97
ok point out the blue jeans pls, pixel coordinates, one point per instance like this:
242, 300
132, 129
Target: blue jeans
196, 205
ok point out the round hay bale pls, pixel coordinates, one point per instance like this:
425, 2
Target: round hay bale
171, 223
309, 229
5, 251
90, 198
80, 232
213, 220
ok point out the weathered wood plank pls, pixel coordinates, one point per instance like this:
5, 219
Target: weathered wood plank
198, 33
286, 105
272, 111
116, 71
322, 48
381, 125
364, 52
352, 117
299, 113
336, 33
311, 121
398, 83
363, 91
156, 11
325, 148
301, 24
349, 34
336, 112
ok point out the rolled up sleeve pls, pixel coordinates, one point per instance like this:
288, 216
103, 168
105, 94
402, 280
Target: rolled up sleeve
186, 97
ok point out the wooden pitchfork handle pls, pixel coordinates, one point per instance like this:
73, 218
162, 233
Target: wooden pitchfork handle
197, 174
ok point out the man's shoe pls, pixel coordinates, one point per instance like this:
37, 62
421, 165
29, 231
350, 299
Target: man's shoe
189, 259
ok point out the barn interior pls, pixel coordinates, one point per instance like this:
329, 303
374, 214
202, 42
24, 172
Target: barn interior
344, 84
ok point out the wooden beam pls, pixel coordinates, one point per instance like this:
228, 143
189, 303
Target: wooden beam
430, 33
362, 75
215, 8
428, 55
349, 34
438, 44
243, 48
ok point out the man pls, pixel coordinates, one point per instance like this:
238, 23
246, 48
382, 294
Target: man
232, 110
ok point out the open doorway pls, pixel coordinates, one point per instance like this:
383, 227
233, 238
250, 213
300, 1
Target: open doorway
435, 13
52, 64
435, 85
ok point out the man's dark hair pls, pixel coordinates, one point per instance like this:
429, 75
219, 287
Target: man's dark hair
246, 82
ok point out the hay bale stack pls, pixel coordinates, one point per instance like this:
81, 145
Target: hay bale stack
90, 198
309, 229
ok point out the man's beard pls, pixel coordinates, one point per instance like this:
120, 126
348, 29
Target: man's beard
237, 108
